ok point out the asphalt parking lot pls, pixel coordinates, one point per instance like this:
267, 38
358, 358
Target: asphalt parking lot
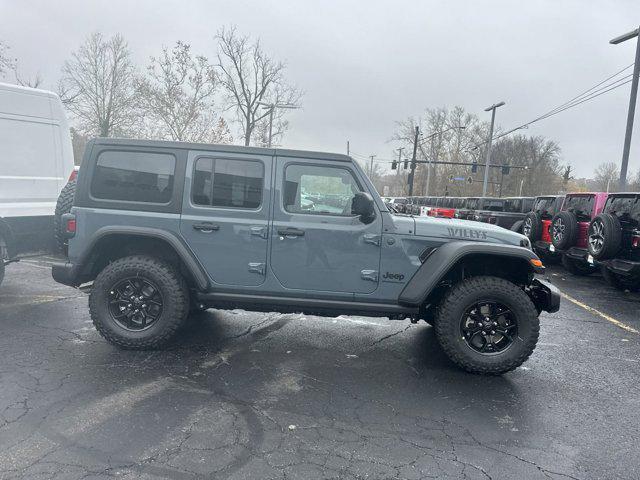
245, 395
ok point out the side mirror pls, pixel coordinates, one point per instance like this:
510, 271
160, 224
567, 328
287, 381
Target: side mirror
362, 205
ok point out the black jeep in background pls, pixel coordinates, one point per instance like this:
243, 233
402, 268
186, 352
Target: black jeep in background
514, 209
614, 240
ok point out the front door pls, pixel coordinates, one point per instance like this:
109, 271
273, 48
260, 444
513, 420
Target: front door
225, 215
316, 243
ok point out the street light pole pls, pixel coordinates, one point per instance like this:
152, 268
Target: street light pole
632, 105
271, 107
413, 160
429, 164
487, 162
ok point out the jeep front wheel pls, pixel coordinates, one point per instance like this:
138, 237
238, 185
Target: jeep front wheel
487, 325
139, 302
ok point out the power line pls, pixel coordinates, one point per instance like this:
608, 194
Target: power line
583, 97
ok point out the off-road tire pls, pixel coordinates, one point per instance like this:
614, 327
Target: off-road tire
576, 267
567, 238
618, 282
174, 292
63, 205
536, 226
465, 294
612, 236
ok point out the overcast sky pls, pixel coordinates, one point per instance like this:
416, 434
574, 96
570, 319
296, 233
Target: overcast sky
365, 64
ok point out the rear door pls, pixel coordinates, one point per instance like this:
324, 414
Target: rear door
225, 215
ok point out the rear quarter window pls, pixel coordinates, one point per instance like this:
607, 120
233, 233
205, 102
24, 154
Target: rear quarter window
134, 177
626, 208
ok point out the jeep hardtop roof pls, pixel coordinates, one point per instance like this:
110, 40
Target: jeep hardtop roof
220, 148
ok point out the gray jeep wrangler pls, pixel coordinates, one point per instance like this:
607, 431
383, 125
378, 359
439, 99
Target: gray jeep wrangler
160, 228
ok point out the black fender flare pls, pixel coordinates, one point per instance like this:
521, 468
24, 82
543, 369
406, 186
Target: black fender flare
517, 227
444, 258
7, 234
184, 253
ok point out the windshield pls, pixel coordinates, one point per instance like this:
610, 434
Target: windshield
580, 205
626, 208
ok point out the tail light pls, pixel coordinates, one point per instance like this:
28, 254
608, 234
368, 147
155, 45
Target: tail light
70, 224
74, 174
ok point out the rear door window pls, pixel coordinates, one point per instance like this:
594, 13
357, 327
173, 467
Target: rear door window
134, 176
227, 183
580, 205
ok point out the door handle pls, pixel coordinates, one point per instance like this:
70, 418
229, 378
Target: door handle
290, 232
206, 227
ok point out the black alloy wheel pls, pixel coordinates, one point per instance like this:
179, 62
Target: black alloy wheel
135, 303
488, 327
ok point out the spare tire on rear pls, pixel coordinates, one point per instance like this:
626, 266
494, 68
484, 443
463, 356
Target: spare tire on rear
63, 205
532, 226
564, 230
605, 236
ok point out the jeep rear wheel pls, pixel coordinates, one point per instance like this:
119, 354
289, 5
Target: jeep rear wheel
564, 230
63, 205
139, 302
487, 325
604, 236
532, 226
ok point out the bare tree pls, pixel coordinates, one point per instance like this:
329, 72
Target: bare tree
221, 133
250, 77
6, 62
176, 95
606, 176
97, 86
33, 82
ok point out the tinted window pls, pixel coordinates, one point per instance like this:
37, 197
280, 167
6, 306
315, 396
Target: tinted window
319, 190
219, 182
494, 205
545, 206
134, 176
513, 205
580, 205
626, 208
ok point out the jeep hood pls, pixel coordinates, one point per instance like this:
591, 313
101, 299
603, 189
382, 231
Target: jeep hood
457, 229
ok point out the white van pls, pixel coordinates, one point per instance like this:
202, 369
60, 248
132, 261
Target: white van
36, 160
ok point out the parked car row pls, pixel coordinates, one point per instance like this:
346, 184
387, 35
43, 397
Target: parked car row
585, 231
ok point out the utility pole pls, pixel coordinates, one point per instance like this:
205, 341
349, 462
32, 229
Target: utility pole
371, 167
413, 160
487, 162
399, 160
632, 105
271, 107
347, 148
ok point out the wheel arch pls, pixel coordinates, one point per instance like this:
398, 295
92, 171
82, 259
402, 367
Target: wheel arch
111, 243
455, 261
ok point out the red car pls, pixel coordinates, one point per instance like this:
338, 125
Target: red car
447, 207
570, 230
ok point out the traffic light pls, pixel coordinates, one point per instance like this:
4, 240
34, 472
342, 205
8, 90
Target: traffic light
394, 165
474, 167
406, 163
505, 170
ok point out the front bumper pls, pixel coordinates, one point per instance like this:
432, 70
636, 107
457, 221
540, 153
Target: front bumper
621, 266
66, 273
544, 295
